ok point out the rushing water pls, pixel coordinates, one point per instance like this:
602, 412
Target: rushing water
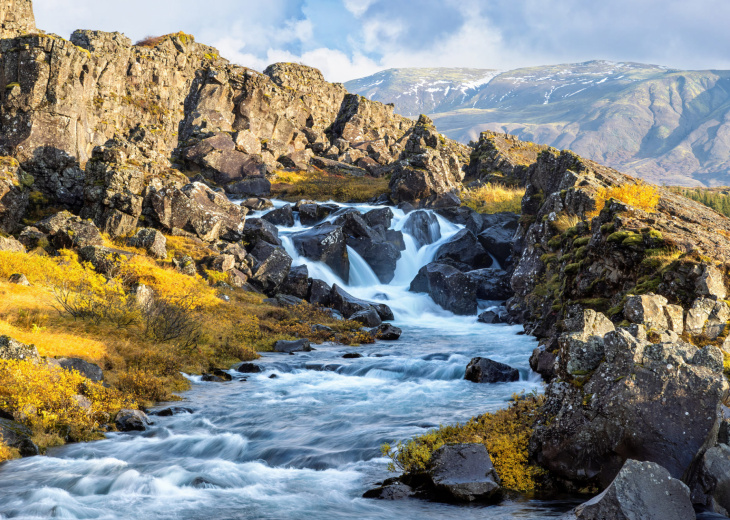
304, 444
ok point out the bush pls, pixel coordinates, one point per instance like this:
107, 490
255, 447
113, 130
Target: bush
640, 195
6, 452
172, 320
505, 434
143, 385
493, 198
49, 399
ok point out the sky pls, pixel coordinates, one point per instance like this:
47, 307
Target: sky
350, 39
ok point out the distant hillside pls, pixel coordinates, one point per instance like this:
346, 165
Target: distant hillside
668, 126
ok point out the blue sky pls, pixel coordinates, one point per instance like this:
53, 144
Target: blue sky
348, 39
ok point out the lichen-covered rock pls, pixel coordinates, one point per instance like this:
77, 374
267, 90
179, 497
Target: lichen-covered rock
641, 490
464, 248
648, 309
657, 402
386, 332
707, 318
150, 240
299, 345
711, 482
15, 350
429, 167
14, 193
711, 283
17, 436
104, 259
10, 244
582, 351
256, 230
16, 18
90, 371
282, 216
66, 231
272, 268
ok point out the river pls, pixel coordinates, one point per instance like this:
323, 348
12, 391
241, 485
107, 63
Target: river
304, 444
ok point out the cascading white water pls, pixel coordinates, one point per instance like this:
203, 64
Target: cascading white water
304, 444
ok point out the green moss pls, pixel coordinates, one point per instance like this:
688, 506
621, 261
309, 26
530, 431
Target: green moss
12, 85
572, 268
619, 236
555, 242
582, 241
571, 232
580, 253
607, 228
633, 240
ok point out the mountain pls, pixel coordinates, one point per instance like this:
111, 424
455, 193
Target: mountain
665, 125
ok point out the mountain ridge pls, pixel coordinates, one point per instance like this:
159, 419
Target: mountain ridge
666, 125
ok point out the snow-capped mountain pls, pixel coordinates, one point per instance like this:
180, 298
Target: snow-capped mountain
662, 124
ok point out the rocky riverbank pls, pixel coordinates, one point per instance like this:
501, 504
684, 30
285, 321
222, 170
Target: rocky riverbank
121, 165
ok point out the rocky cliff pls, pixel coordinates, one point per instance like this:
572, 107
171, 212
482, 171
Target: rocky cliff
182, 107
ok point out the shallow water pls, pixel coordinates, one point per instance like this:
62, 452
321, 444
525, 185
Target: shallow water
304, 444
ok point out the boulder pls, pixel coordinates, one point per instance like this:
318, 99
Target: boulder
648, 309
297, 282
249, 368
464, 248
484, 370
31, 237
368, 317
711, 482
288, 347
543, 362
449, 287
391, 489
221, 162
66, 231
12, 245
171, 411
656, 402
18, 436
272, 268
582, 350
464, 473
256, 203
319, 293
424, 228
711, 283
498, 236
253, 186
489, 317
195, 209
312, 213
90, 371
385, 312
675, 318
325, 243
256, 229
707, 318
641, 491
19, 279
282, 216
381, 256
348, 305
491, 283
131, 420
11, 349
150, 240
105, 260
379, 217
386, 332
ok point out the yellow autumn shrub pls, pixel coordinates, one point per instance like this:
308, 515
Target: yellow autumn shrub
49, 399
505, 433
640, 195
493, 198
6, 452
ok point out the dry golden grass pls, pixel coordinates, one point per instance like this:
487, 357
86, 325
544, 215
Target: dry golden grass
640, 195
493, 198
564, 222
321, 186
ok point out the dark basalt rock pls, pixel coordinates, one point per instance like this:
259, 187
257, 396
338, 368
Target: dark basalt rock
386, 332
282, 216
641, 490
325, 243
379, 217
464, 473
86, 369
173, 410
257, 229
368, 317
249, 368
17, 436
254, 186
319, 293
297, 282
311, 213
424, 227
391, 489
352, 355
449, 287
131, 420
498, 236
272, 268
67, 231
288, 347
485, 370
348, 305
464, 248
491, 283
489, 317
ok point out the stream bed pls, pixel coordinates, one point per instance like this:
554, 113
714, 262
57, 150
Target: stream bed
301, 440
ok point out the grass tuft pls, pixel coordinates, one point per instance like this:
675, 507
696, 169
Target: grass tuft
493, 198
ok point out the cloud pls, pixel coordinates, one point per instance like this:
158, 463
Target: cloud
353, 38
